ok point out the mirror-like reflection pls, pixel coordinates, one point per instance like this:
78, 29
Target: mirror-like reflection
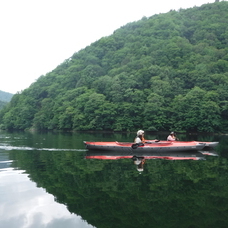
47, 181
23, 204
139, 158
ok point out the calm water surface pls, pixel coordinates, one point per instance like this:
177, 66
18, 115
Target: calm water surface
47, 180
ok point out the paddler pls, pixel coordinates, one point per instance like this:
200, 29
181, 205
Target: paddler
140, 137
171, 137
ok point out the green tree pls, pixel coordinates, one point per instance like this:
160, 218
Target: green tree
197, 111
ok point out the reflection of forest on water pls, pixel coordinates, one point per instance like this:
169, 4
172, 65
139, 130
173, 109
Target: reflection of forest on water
111, 193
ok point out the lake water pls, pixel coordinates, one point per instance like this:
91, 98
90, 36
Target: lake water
47, 180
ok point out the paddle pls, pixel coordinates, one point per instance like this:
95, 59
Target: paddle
155, 141
136, 145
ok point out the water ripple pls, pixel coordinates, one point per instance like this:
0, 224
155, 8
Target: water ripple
7, 147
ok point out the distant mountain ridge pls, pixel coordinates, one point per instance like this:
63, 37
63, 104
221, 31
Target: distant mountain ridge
5, 96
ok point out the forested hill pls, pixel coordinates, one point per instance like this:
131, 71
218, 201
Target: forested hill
169, 71
5, 97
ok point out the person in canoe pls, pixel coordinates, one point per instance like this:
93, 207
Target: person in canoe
139, 139
172, 137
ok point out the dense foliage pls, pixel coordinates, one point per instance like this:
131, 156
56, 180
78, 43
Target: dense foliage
169, 71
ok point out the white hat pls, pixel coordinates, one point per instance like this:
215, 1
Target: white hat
140, 132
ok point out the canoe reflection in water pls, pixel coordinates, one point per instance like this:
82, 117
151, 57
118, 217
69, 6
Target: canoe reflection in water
139, 158
139, 162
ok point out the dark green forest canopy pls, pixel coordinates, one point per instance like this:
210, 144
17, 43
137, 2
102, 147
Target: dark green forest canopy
168, 71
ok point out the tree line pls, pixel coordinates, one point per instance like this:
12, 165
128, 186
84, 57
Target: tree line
167, 71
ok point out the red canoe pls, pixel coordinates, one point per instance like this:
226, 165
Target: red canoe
163, 146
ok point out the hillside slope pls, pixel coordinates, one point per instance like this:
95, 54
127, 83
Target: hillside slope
169, 71
4, 98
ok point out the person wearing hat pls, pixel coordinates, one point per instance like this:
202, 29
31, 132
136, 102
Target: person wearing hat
171, 137
140, 137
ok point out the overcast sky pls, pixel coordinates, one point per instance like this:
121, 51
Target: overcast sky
38, 35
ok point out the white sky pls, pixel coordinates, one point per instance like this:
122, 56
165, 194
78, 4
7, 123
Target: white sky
38, 35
